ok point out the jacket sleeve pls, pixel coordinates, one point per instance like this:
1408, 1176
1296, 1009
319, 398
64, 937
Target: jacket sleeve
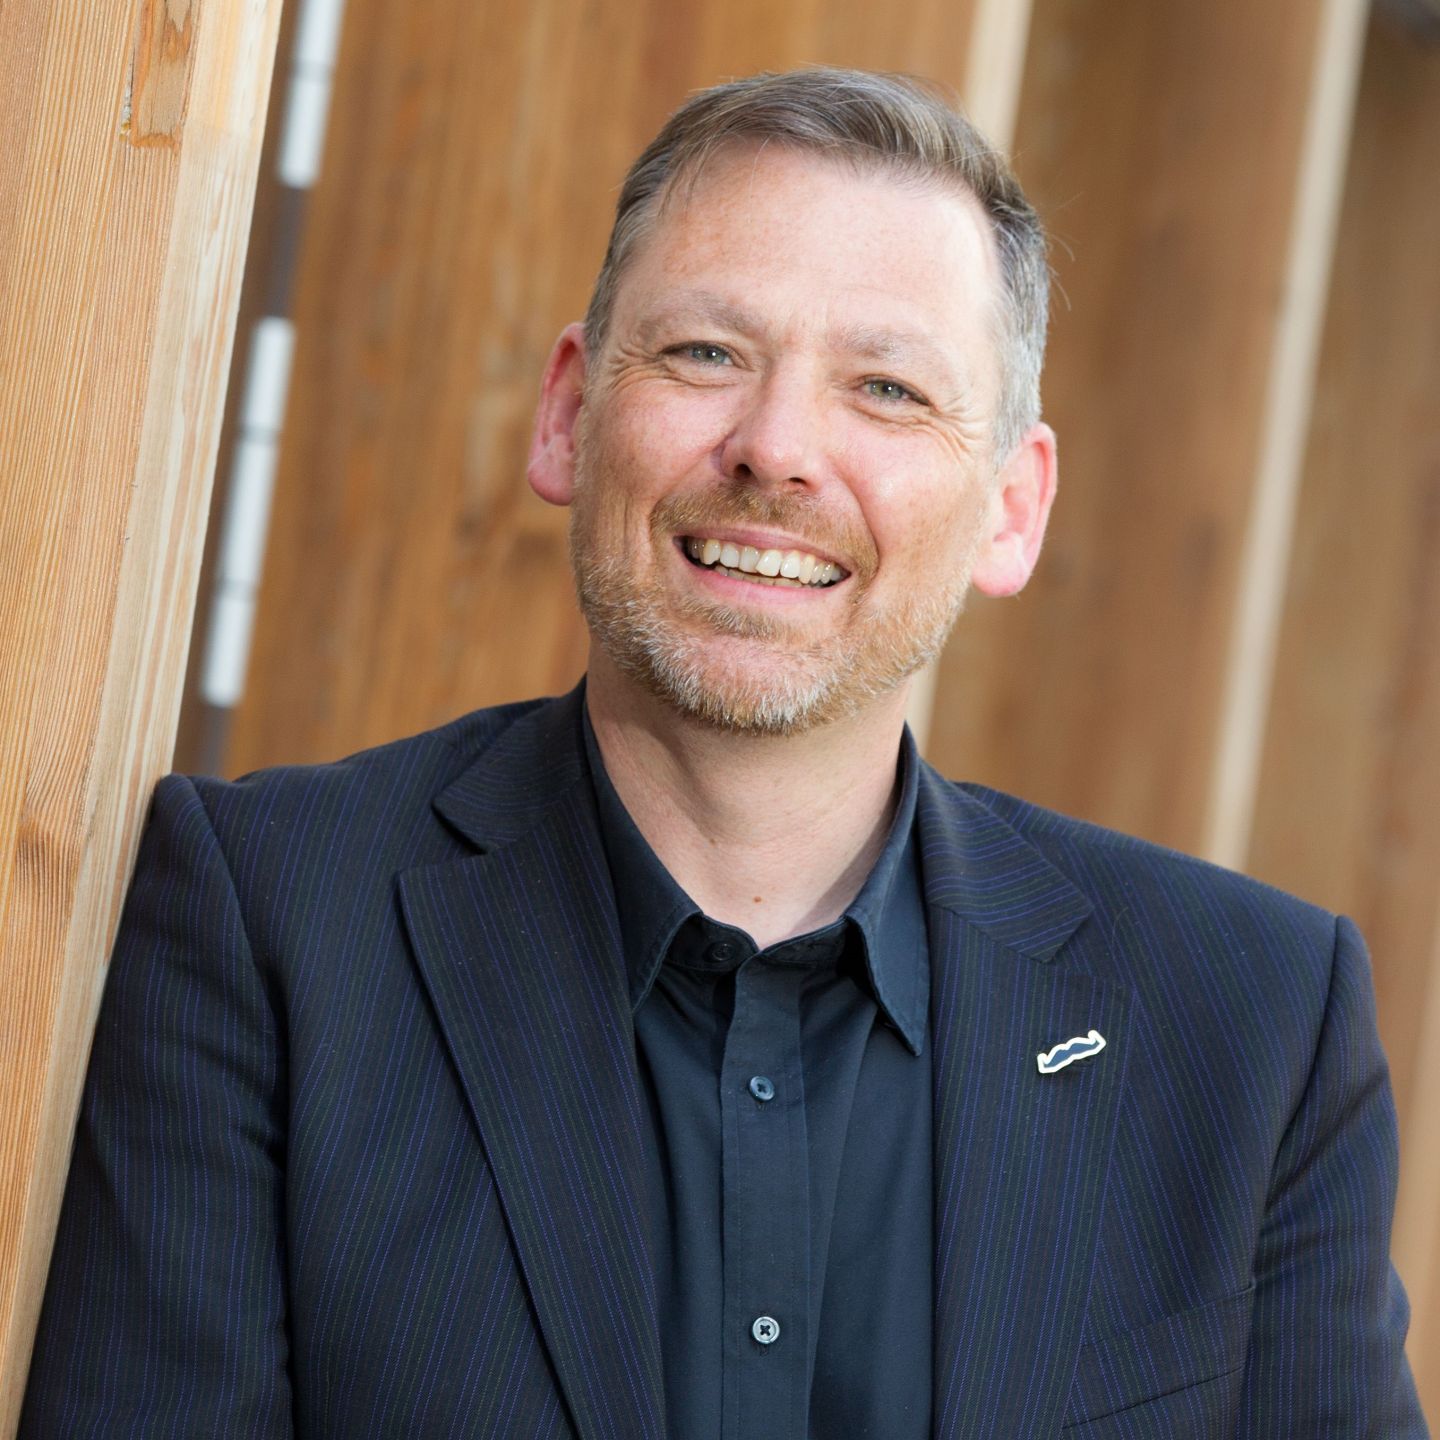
164, 1313
1328, 1332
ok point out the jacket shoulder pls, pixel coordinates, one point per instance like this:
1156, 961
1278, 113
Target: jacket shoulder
410, 765
1127, 878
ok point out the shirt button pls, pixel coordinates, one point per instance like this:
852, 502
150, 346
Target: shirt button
766, 1330
762, 1087
721, 951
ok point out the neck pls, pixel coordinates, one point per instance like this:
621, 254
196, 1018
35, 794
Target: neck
773, 834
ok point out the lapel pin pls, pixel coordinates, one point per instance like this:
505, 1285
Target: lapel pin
1068, 1051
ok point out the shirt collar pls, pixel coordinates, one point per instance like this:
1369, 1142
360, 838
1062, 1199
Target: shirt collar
889, 911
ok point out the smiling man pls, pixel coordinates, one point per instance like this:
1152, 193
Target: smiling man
684, 1057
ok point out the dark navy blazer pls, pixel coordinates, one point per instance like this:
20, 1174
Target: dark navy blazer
359, 1149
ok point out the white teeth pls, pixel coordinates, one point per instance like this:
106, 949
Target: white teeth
757, 579
769, 567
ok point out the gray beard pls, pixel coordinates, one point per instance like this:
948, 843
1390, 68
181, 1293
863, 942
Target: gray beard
824, 683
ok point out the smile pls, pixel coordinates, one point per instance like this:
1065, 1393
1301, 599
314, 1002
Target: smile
792, 568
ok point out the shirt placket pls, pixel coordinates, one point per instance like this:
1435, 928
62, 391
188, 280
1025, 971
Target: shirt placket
766, 1203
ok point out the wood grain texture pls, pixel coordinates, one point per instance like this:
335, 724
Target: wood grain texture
1289, 386
1162, 146
160, 72
1348, 809
461, 213
119, 264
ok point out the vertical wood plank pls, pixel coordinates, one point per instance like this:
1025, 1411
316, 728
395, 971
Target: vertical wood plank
1162, 145
1348, 805
1289, 386
131, 139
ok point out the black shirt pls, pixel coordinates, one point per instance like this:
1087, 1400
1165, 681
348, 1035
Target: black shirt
789, 1152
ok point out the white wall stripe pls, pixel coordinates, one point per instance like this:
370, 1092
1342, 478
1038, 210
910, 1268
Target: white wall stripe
317, 34
247, 511
302, 141
237, 578
272, 345
227, 648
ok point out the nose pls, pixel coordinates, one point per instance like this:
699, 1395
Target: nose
778, 439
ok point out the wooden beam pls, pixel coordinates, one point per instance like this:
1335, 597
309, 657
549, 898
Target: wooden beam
1288, 389
129, 162
1164, 145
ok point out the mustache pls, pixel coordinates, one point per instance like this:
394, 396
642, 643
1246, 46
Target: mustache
803, 516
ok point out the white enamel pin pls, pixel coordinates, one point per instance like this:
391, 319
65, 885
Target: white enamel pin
1069, 1051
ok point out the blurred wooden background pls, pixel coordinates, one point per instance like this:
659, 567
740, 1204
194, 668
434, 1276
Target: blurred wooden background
1233, 643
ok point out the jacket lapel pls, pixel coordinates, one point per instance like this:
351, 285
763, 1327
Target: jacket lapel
1020, 1156
519, 949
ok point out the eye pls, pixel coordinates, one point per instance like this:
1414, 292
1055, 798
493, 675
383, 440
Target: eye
891, 391
702, 353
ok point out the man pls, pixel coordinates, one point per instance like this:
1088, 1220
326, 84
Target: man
684, 1057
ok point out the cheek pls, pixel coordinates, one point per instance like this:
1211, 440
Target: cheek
922, 509
669, 428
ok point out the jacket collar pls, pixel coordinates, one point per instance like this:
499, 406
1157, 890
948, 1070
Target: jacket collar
976, 865
979, 868
531, 767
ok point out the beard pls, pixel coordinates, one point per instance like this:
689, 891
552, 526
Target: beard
732, 668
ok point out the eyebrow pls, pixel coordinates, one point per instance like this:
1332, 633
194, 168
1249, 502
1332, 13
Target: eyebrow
880, 342
701, 306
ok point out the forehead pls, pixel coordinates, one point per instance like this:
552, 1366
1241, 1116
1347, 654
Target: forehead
803, 232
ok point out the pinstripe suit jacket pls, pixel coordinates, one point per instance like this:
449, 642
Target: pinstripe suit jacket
360, 1145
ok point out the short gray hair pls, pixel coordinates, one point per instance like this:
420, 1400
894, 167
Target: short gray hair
892, 122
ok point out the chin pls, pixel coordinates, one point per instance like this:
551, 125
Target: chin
748, 708
782, 694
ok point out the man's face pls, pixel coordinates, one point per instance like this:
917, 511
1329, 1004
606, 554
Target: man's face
799, 372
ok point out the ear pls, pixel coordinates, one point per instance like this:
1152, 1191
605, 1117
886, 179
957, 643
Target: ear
1020, 500
551, 470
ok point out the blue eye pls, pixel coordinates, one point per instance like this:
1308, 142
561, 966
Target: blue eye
705, 354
